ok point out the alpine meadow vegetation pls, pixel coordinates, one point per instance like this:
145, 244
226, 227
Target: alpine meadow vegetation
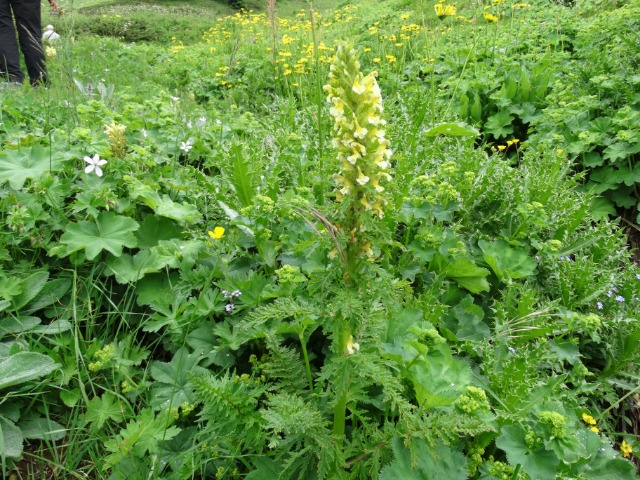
369, 240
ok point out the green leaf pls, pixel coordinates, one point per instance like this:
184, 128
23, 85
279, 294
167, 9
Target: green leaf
438, 377
70, 397
42, 429
14, 325
265, 469
51, 293
465, 320
23, 367
506, 261
16, 165
621, 150
128, 269
110, 232
31, 286
10, 440
102, 409
241, 176
468, 275
453, 130
540, 464
601, 208
499, 124
172, 386
155, 228
425, 462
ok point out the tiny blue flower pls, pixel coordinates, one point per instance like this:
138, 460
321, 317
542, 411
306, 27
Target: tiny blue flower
599, 305
236, 293
638, 276
225, 293
619, 298
229, 308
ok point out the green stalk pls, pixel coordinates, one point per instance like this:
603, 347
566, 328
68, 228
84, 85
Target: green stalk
340, 410
303, 344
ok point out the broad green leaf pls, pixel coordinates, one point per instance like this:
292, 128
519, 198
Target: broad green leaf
601, 208
128, 269
70, 397
51, 293
10, 440
265, 469
14, 325
172, 386
468, 275
431, 463
31, 286
621, 150
540, 464
499, 124
184, 213
506, 261
465, 320
102, 409
453, 130
439, 378
23, 367
155, 228
110, 232
240, 175
53, 328
42, 429
17, 165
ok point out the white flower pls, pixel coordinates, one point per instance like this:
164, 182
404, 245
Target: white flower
201, 122
352, 347
94, 164
143, 132
175, 99
186, 146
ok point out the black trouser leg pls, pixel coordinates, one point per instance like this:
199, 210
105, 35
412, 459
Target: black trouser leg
9, 54
28, 17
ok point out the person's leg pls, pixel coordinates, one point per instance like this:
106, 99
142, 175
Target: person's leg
9, 54
28, 17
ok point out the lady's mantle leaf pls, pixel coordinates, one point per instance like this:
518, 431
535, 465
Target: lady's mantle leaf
110, 232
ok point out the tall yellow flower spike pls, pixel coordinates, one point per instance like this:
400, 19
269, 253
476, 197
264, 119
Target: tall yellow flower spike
363, 150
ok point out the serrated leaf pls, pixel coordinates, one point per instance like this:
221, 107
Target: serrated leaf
436, 462
102, 409
23, 367
172, 386
16, 166
110, 232
128, 269
540, 464
265, 469
499, 124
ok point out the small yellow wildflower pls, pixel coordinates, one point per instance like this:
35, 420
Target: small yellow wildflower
376, 60
217, 233
625, 449
594, 429
444, 10
588, 419
559, 151
502, 147
489, 17
390, 58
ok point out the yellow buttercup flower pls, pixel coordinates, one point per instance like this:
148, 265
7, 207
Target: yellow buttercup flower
489, 17
217, 233
625, 449
588, 419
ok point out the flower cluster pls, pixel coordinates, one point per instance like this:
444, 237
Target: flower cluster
443, 10
231, 298
116, 138
363, 150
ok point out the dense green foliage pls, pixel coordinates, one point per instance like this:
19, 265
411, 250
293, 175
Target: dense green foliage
234, 252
